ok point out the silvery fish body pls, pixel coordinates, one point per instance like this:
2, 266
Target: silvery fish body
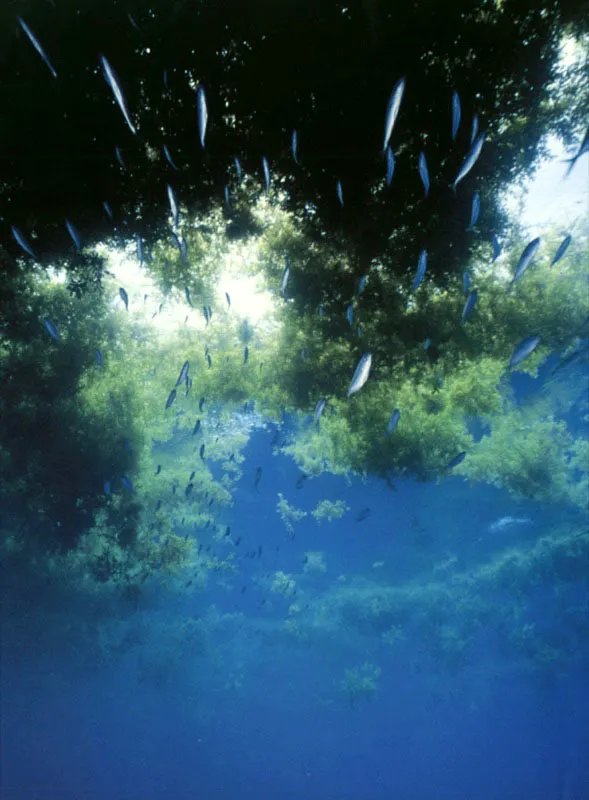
319, 409
470, 304
203, 114
525, 348
361, 374
526, 257
340, 192
394, 420
20, 239
266, 170
421, 267
169, 157
393, 110
475, 210
294, 144
37, 45
475, 128
455, 113
496, 247
470, 159
74, 234
562, 248
390, 165
173, 205
285, 276
423, 173
113, 82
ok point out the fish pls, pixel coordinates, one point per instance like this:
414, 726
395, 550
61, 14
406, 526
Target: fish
184, 248
171, 398
470, 159
166, 84
339, 192
392, 112
106, 487
319, 409
176, 240
421, 266
20, 239
169, 158
173, 205
126, 482
525, 348
119, 156
139, 243
237, 167
37, 45
246, 354
361, 374
426, 344
562, 248
209, 360
285, 277
201, 403
474, 212
74, 234
465, 282
111, 79
496, 247
257, 477
107, 208
183, 373
304, 354
470, 304
196, 428
301, 480
362, 284
188, 489
350, 314
203, 114
455, 114
294, 146
124, 297
364, 514
99, 358
456, 460
202, 452
159, 469
525, 259
508, 522
266, 170
226, 196
583, 148
475, 128
132, 21
394, 420
187, 293
52, 329
390, 165
423, 173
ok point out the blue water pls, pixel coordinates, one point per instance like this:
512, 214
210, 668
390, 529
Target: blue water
201, 694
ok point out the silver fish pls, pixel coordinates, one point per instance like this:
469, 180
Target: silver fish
470, 304
294, 144
361, 374
474, 129
52, 329
237, 167
455, 113
393, 110
423, 173
203, 114
37, 45
340, 192
124, 297
119, 156
319, 409
20, 239
107, 208
475, 210
173, 205
183, 373
266, 170
112, 81
525, 259
285, 276
171, 398
496, 247
421, 266
74, 234
169, 158
390, 165
394, 420
562, 248
525, 348
470, 159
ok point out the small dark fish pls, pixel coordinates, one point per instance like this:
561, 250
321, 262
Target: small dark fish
171, 398
421, 267
107, 208
562, 248
124, 297
470, 159
227, 531
169, 158
392, 112
99, 358
203, 114
159, 469
266, 170
119, 156
52, 330
340, 192
192, 474
525, 348
294, 146
237, 541
475, 128
496, 247
20, 239
74, 234
390, 165
470, 304
202, 452
455, 114
364, 514
525, 259
205, 312
188, 490
183, 373
187, 293
107, 488
423, 173
228, 299
37, 45
196, 428
301, 480
166, 85
132, 21
456, 460
246, 354
474, 212
209, 360
237, 167
394, 420
319, 409
201, 403
126, 482
113, 82
257, 477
